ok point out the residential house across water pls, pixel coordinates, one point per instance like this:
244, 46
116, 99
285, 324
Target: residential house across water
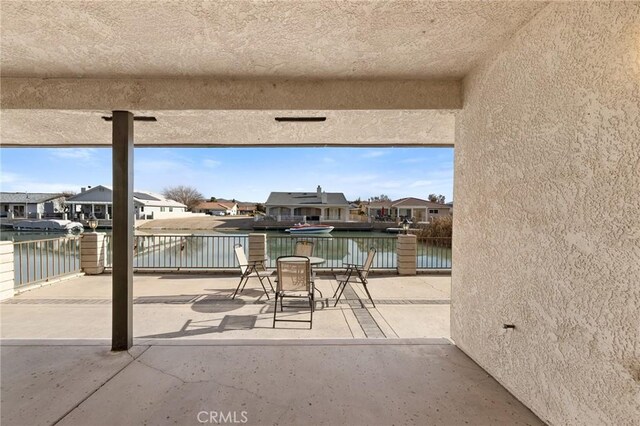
247, 208
31, 205
97, 201
415, 209
217, 208
314, 206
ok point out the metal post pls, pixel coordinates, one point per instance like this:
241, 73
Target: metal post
122, 234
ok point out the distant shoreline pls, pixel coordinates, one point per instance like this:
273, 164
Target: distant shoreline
200, 223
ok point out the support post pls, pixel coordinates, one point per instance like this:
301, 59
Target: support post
122, 234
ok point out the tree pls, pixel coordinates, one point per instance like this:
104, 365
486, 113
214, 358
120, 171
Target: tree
64, 206
213, 199
186, 195
260, 208
436, 198
381, 197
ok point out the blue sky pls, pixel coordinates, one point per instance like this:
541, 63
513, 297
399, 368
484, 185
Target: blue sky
246, 174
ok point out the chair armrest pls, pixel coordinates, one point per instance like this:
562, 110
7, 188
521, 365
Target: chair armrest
258, 263
354, 267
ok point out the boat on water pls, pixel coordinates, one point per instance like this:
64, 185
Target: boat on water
305, 228
52, 225
394, 230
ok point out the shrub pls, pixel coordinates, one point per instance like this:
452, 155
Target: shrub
438, 227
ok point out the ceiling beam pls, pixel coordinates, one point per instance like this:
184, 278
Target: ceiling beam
214, 94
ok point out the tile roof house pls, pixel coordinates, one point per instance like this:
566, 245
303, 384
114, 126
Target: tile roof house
217, 208
31, 204
247, 208
318, 205
415, 209
147, 205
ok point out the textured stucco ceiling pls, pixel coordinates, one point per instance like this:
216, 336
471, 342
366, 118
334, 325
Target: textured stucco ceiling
216, 72
254, 39
231, 128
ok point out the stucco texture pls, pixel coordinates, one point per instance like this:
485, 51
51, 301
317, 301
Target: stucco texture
547, 223
310, 39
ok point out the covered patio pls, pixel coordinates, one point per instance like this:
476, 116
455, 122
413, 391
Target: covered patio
540, 101
321, 382
199, 354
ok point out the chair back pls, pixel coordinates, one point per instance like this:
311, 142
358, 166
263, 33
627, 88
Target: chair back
367, 263
294, 273
304, 248
241, 257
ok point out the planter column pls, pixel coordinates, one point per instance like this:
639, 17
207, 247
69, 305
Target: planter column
92, 253
6, 270
257, 247
407, 253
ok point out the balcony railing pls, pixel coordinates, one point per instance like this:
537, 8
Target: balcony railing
42, 260
338, 251
433, 253
183, 252
177, 252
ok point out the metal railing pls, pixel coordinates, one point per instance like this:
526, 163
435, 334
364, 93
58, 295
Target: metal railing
433, 253
182, 251
42, 260
337, 251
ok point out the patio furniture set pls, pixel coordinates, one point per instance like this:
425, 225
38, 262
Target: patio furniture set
295, 277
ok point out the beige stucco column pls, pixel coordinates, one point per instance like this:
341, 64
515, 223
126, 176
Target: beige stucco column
257, 247
92, 252
407, 252
6, 270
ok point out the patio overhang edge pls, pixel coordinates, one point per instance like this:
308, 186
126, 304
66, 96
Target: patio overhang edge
134, 94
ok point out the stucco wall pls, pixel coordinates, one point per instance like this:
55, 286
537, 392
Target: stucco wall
547, 223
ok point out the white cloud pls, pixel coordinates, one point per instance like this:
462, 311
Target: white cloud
146, 166
211, 164
14, 182
373, 154
73, 153
412, 160
420, 183
8, 177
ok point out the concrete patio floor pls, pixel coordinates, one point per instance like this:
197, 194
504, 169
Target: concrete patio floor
196, 306
310, 382
199, 355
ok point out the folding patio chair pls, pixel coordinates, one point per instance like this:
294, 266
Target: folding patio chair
294, 281
304, 248
249, 269
356, 274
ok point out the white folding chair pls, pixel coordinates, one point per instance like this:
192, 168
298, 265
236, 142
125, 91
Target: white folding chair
249, 269
356, 274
